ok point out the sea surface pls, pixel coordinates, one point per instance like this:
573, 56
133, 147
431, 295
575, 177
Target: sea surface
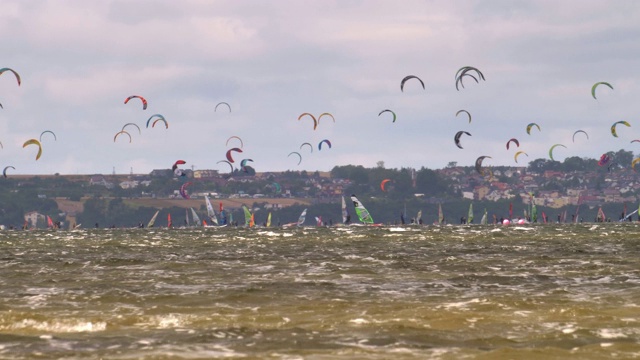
552, 291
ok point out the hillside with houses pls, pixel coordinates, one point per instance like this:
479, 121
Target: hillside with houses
551, 185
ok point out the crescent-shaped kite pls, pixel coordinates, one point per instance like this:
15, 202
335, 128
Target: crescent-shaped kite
238, 150
580, 131
593, 88
456, 138
4, 172
132, 124
234, 137
464, 71
551, 150
175, 164
326, 114
225, 161
479, 164
297, 153
154, 116
34, 142
309, 145
408, 77
383, 183
115, 137
531, 125
466, 112
144, 101
325, 141
222, 103
315, 122
14, 73
166, 124
613, 127
515, 157
48, 132
387, 110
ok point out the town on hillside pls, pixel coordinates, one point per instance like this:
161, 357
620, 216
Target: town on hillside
575, 182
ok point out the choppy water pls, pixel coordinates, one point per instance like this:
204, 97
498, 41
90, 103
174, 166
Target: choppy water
544, 291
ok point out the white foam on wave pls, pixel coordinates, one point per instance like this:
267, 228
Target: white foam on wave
60, 326
610, 334
523, 228
461, 304
268, 233
168, 321
359, 321
397, 229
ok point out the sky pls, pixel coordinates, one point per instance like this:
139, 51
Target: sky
272, 61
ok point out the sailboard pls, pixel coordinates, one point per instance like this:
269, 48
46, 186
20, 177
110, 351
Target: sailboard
301, 219
346, 218
153, 219
470, 215
196, 218
363, 214
223, 215
247, 216
211, 213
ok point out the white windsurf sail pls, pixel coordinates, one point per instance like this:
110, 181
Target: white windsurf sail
302, 217
196, 219
210, 212
345, 212
153, 219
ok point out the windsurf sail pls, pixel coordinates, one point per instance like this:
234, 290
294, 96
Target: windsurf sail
470, 215
629, 215
601, 217
534, 213
346, 218
419, 217
153, 219
247, 216
361, 211
169, 222
210, 212
252, 220
318, 220
49, 222
269, 220
223, 215
186, 218
484, 219
196, 218
440, 214
302, 217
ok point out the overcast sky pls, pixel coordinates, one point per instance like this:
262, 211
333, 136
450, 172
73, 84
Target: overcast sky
274, 60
